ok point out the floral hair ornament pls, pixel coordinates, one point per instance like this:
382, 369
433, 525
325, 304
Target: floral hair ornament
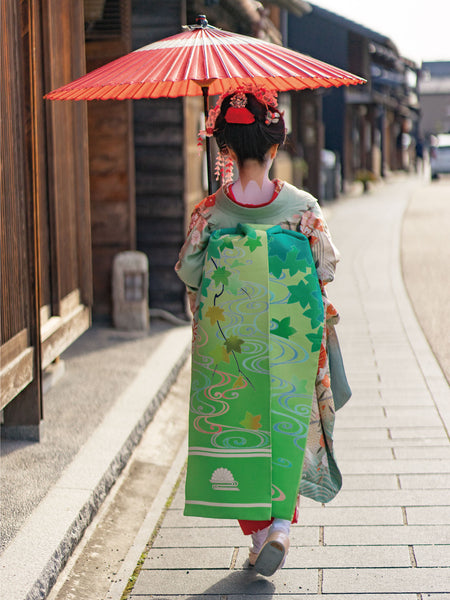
266, 97
272, 117
238, 112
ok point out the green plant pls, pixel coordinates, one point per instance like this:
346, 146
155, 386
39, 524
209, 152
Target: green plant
365, 177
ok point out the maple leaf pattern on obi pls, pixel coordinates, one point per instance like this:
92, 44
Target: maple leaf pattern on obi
251, 421
234, 284
214, 314
236, 263
253, 243
221, 275
299, 293
220, 354
276, 266
239, 383
227, 242
233, 343
313, 317
283, 328
316, 340
300, 385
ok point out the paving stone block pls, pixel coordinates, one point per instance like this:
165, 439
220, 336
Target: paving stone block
369, 482
302, 535
416, 411
389, 375
365, 453
386, 580
330, 515
417, 432
397, 466
179, 537
412, 418
192, 558
356, 434
395, 421
211, 582
400, 401
419, 442
437, 555
358, 410
406, 395
422, 452
429, 515
389, 535
423, 481
360, 394
391, 498
370, 454
356, 445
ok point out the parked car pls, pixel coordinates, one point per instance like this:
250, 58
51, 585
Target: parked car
440, 155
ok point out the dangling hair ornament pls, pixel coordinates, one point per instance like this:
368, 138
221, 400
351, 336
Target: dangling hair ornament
224, 167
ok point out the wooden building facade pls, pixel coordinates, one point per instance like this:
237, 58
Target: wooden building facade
159, 138
46, 279
111, 150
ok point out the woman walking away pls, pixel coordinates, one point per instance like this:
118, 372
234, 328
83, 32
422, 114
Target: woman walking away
256, 260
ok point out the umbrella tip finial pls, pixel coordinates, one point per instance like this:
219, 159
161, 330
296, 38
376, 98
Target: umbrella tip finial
201, 20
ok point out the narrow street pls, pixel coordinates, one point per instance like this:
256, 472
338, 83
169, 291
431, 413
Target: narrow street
387, 533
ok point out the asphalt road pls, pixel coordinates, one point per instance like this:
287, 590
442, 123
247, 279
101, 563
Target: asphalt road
425, 263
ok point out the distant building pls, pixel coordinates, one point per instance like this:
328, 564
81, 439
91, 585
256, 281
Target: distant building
370, 127
434, 94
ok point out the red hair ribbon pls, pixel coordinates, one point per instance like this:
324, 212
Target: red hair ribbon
239, 115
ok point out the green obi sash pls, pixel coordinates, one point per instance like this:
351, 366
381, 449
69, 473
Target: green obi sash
257, 338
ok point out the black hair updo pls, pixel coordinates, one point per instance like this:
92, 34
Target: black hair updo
250, 141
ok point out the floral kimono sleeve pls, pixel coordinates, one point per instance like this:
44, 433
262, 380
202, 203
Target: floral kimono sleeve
325, 253
190, 262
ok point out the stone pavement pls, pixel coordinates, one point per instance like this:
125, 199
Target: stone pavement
387, 534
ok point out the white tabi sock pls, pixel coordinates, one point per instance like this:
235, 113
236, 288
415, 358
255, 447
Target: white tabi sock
280, 525
258, 540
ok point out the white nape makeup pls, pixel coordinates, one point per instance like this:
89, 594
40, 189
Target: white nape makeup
253, 187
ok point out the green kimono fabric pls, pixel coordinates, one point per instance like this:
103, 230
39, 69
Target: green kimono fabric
257, 337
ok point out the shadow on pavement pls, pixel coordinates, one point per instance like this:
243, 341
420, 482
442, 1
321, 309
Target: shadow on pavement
245, 582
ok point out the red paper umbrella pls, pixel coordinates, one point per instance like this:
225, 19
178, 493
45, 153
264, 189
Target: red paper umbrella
201, 56
203, 60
